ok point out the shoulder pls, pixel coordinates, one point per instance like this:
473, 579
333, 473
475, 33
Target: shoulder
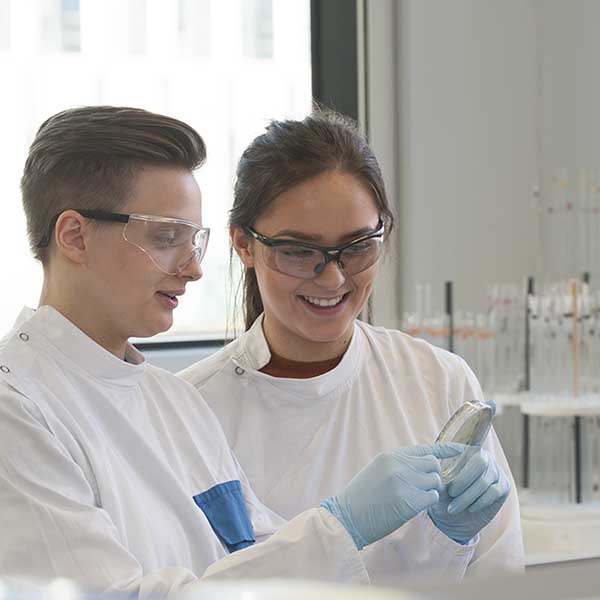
411, 351
17, 409
416, 366
201, 372
168, 382
19, 384
176, 397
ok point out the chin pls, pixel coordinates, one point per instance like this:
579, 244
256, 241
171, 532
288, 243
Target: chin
161, 328
149, 329
324, 335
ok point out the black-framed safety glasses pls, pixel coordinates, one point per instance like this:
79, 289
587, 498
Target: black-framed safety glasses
171, 244
307, 261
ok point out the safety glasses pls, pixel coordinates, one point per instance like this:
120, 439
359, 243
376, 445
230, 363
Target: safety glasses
171, 244
307, 261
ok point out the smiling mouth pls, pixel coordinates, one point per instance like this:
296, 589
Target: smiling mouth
168, 299
325, 302
172, 295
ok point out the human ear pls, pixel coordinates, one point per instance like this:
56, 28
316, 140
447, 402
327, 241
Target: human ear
242, 244
69, 235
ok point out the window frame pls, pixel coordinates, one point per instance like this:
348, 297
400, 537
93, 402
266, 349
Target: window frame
334, 50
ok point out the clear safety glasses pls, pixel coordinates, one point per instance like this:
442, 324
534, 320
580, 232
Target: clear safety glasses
307, 261
171, 244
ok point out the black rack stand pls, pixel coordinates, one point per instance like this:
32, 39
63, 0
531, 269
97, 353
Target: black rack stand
449, 309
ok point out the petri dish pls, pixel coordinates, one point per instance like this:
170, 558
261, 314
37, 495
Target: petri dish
469, 425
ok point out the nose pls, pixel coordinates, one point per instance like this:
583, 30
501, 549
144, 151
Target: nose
332, 276
191, 270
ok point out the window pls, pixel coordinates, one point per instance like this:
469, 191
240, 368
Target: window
135, 17
4, 25
70, 26
258, 28
185, 59
59, 26
194, 27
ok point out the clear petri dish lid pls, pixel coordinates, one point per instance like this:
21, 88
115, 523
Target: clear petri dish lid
469, 425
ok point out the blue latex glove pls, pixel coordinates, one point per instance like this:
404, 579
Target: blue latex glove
472, 499
391, 490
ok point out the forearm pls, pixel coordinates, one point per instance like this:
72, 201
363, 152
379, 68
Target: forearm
313, 545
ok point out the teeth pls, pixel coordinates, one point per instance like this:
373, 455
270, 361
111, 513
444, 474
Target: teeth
323, 301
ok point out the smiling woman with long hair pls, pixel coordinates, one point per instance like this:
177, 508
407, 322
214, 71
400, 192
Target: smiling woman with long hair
309, 392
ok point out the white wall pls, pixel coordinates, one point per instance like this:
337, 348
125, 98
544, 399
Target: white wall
569, 124
469, 104
466, 158
570, 40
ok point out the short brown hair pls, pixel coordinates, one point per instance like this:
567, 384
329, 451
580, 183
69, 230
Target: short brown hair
289, 153
88, 158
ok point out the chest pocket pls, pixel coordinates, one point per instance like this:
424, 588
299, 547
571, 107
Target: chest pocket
225, 508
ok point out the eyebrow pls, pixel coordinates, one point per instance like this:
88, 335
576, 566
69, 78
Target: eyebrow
317, 238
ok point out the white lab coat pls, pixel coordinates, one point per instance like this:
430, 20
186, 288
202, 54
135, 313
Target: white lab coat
99, 462
301, 440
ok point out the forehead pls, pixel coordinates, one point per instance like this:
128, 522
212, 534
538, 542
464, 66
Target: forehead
329, 206
166, 192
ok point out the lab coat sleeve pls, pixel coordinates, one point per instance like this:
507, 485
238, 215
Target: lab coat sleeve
500, 547
419, 549
313, 533
416, 552
314, 541
52, 527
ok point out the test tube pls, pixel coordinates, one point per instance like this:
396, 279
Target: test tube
507, 425
551, 454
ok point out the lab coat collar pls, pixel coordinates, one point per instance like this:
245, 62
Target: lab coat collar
255, 349
25, 314
48, 330
255, 354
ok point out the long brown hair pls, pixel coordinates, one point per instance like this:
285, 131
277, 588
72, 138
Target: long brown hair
287, 154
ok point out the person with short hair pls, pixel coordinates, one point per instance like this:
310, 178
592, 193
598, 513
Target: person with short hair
308, 393
114, 473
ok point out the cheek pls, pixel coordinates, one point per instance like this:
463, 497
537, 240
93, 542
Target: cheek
274, 285
137, 276
114, 259
364, 281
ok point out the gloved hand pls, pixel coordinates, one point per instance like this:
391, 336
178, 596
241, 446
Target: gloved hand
390, 491
472, 499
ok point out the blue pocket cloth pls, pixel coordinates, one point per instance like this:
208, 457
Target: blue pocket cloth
225, 508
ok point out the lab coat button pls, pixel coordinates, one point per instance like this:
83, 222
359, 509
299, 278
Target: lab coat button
24, 337
4, 369
239, 370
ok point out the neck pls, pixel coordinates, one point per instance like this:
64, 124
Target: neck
299, 349
85, 315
